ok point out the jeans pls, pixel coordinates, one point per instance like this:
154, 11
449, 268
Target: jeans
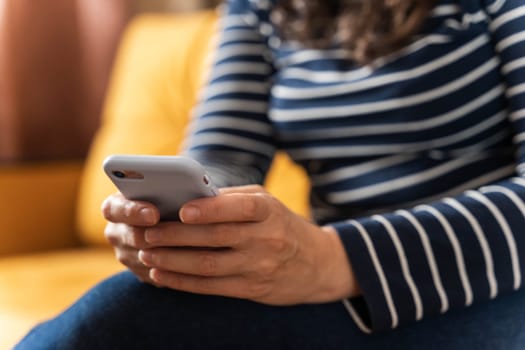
123, 313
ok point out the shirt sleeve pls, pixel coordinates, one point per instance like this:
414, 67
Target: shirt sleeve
460, 250
230, 133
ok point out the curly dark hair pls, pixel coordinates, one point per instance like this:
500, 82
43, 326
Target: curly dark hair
368, 29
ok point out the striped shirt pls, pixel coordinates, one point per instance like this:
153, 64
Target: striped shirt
417, 159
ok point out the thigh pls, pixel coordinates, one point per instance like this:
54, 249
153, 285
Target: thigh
494, 325
122, 313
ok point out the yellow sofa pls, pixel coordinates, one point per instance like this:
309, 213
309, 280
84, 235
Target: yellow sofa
52, 247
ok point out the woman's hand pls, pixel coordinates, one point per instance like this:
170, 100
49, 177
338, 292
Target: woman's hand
243, 243
128, 221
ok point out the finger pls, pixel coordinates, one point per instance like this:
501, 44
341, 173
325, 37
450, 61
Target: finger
222, 235
196, 262
123, 235
129, 258
242, 189
234, 207
231, 286
118, 209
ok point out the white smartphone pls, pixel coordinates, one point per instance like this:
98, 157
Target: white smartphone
168, 182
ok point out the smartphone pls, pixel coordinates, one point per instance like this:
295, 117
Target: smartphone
168, 182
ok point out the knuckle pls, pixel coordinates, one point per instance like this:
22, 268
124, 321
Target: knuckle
277, 245
249, 207
267, 268
135, 238
123, 257
129, 209
111, 235
107, 206
223, 234
208, 265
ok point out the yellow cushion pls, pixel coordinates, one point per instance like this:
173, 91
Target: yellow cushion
158, 72
37, 202
35, 287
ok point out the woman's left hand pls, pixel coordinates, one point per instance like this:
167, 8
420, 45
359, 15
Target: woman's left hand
245, 243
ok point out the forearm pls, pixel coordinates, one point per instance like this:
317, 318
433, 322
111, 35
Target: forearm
449, 254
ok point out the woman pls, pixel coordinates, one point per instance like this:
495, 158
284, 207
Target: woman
409, 118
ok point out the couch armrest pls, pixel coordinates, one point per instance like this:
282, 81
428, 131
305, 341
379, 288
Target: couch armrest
37, 206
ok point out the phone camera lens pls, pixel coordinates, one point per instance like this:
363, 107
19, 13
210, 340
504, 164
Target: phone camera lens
119, 174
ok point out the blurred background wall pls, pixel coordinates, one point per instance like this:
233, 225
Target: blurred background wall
55, 59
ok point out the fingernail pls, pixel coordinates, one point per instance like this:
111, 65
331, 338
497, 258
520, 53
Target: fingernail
147, 215
145, 257
152, 236
189, 213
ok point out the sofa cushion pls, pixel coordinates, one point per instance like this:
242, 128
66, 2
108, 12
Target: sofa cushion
159, 69
37, 206
35, 287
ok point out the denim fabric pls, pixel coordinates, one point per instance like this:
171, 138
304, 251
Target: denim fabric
122, 313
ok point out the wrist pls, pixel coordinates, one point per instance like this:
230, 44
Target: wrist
336, 276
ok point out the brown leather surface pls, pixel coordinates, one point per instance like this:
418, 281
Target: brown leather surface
55, 57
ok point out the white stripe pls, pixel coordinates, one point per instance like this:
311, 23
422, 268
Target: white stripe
485, 249
511, 243
250, 125
352, 87
379, 270
514, 116
511, 195
239, 105
513, 65
355, 316
404, 264
510, 40
392, 128
401, 182
445, 10
454, 24
473, 18
482, 145
306, 55
225, 139
371, 150
360, 73
228, 87
519, 138
458, 253
467, 20
519, 181
387, 105
515, 90
484, 179
507, 17
435, 143
232, 21
427, 247
250, 19
496, 6
347, 172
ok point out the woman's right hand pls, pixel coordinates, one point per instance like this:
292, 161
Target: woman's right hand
127, 221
